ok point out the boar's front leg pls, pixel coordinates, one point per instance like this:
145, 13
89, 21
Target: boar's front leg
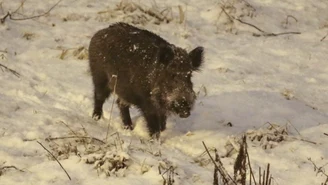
155, 120
125, 114
163, 122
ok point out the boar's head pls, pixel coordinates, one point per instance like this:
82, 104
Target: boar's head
174, 83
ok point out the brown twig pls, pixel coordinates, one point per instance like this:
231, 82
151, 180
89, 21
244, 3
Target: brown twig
221, 170
152, 13
67, 127
111, 109
260, 174
251, 25
287, 20
170, 172
267, 175
249, 5
320, 170
240, 165
10, 70
323, 38
308, 141
248, 159
302, 139
288, 122
55, 159
216, 176
264, 33
10, 15
8, 167
325, 134
74, 137
272, 126
226, 13
117, 140
290, 16
20, 6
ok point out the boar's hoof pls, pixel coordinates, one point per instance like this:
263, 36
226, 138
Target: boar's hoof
163, 127
96, 115
155, 136
127, 127
184, 114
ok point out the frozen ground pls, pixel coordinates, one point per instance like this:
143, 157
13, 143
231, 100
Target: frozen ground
248, 81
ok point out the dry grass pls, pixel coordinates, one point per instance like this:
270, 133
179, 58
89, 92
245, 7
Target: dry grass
80, 53
288, 94
140, 14
29, 35
242, 168
167, 171
4, 168
108, 158
231, 10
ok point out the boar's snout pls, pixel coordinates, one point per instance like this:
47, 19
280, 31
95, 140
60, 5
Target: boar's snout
183, 105
184, 114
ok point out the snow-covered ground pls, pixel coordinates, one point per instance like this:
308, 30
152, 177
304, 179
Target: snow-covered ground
248, 83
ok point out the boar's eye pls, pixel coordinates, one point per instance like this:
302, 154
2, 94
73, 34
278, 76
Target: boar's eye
165, 54
180, 103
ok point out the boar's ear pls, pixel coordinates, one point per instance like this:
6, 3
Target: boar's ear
165, 54
196, 56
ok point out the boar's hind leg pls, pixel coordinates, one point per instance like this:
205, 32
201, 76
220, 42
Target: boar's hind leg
101, 93
125, 114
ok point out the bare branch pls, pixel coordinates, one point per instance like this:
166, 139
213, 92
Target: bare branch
320, 170
10, 70
264, 33
221, 170
2, 20
290, 16
325, 134
7, 167
302, 139
111, 110
308, 141
240, 163
170, 172
74, 137
152, 13
249, 24
20, 6
248, 159
226, 13
67, 127
56, 160
10, 15
323, 38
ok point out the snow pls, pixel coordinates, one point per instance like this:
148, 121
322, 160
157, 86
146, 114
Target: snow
248, 81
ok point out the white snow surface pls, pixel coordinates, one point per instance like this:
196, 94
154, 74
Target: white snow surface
247, 80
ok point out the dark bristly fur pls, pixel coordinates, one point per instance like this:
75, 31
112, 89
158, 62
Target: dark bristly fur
149, 73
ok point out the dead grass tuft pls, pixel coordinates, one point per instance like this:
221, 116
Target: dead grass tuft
80, 53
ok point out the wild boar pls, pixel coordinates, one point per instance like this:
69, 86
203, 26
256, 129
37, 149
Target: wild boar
143, 70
